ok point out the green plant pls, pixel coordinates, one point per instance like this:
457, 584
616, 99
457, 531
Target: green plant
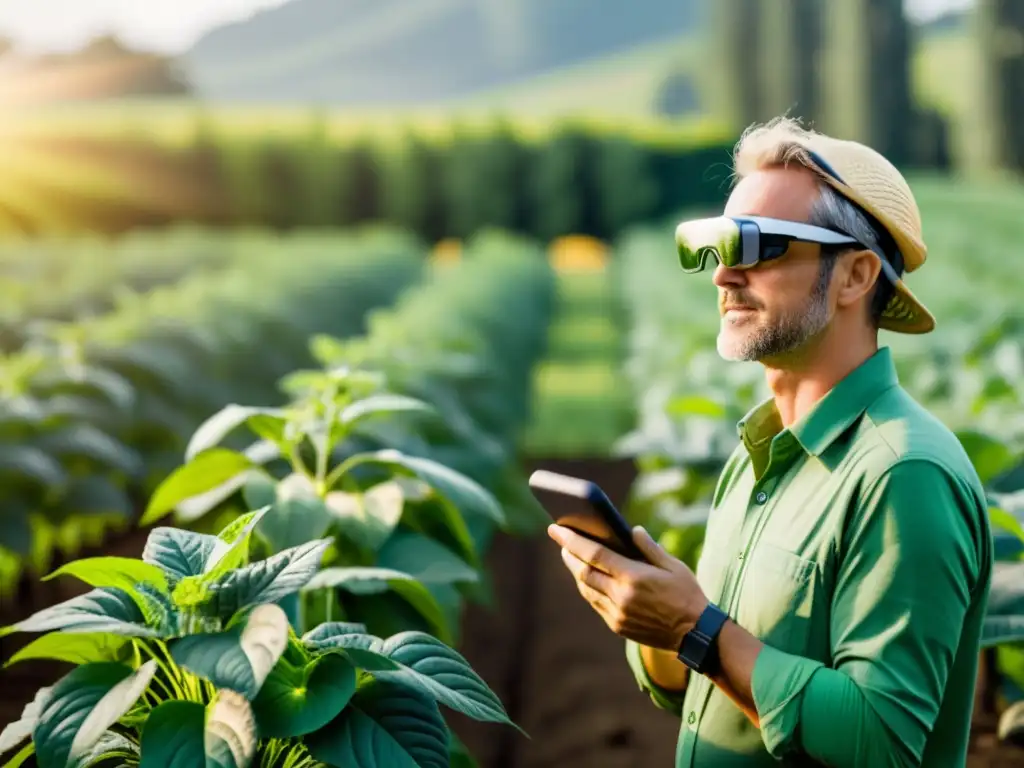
97, 411
395, 521
185, 657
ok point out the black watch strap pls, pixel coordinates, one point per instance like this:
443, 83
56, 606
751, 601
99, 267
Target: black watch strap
699, 649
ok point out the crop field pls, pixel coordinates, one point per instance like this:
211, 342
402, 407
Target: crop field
265, 497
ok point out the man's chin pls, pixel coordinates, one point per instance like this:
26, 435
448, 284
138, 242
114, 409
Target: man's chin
733, 346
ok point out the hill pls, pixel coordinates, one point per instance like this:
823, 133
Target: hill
377, 52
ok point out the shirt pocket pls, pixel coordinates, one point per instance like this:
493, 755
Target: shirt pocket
778, 596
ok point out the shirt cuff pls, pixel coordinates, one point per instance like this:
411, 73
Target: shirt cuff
778, 683
671, 701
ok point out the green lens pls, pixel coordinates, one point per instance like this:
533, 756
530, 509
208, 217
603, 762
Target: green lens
699, 239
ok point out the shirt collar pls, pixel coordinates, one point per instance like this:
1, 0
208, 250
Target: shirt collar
832, 415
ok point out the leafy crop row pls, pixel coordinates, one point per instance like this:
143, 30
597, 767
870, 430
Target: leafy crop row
56, 280
311, 628
93, 415
969, 373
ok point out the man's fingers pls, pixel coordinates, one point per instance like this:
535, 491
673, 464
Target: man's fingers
588, 551
587, 574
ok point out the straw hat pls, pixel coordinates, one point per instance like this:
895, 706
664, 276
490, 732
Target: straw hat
864, 176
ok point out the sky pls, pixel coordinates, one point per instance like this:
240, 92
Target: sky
172, 26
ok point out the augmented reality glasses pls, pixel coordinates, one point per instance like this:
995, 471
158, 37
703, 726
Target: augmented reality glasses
741, 242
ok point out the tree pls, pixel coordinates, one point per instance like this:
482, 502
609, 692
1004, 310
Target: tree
1000, 36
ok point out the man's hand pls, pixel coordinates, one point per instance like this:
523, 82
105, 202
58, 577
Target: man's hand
654, 605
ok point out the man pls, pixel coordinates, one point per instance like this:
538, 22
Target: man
836, 611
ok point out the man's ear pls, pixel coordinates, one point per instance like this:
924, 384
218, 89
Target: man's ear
857, 273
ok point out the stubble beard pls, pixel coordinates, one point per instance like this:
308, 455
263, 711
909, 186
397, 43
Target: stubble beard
752, 340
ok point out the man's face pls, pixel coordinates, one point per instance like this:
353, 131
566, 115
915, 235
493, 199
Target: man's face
776, 307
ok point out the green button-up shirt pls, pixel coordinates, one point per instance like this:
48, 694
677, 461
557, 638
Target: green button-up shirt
856, 546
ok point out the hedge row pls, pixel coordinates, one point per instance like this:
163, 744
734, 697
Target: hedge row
575, 179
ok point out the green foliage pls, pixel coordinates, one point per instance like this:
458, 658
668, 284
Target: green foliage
573, 178
197, 663
97, 411
401, 449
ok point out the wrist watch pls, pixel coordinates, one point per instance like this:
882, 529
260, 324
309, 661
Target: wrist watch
699, 649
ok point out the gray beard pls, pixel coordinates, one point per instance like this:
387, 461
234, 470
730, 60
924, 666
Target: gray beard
789, 334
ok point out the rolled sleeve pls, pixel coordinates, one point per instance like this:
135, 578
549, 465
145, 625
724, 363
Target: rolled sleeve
670, 701
908, 566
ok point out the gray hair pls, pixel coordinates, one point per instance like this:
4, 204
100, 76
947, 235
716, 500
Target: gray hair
833, 211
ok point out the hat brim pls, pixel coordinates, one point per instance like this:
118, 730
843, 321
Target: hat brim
905, 313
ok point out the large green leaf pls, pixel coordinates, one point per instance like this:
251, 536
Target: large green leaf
177, 552
372, 581
182, 734
296, 700
267, 581
231, 545
222, 423
422, 663
240, 658
382, 405
425, 559
296, 514
82, 705
173, 736
73, 648
201, 475
385, 725
368, 518
340, 634
436, 519
465, 494
122, 573
99, 610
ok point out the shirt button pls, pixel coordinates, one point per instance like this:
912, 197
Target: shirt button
761, 497
691, 718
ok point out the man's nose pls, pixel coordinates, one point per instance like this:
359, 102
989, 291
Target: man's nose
728, 277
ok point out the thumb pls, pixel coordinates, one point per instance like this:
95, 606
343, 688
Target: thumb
652, 549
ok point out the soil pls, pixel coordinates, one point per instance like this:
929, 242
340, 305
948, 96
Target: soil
559, 670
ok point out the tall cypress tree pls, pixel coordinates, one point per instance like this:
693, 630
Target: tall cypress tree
867, 90
1000, 36
736, 60
789, 46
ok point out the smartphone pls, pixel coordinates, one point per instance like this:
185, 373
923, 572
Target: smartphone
582, 506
